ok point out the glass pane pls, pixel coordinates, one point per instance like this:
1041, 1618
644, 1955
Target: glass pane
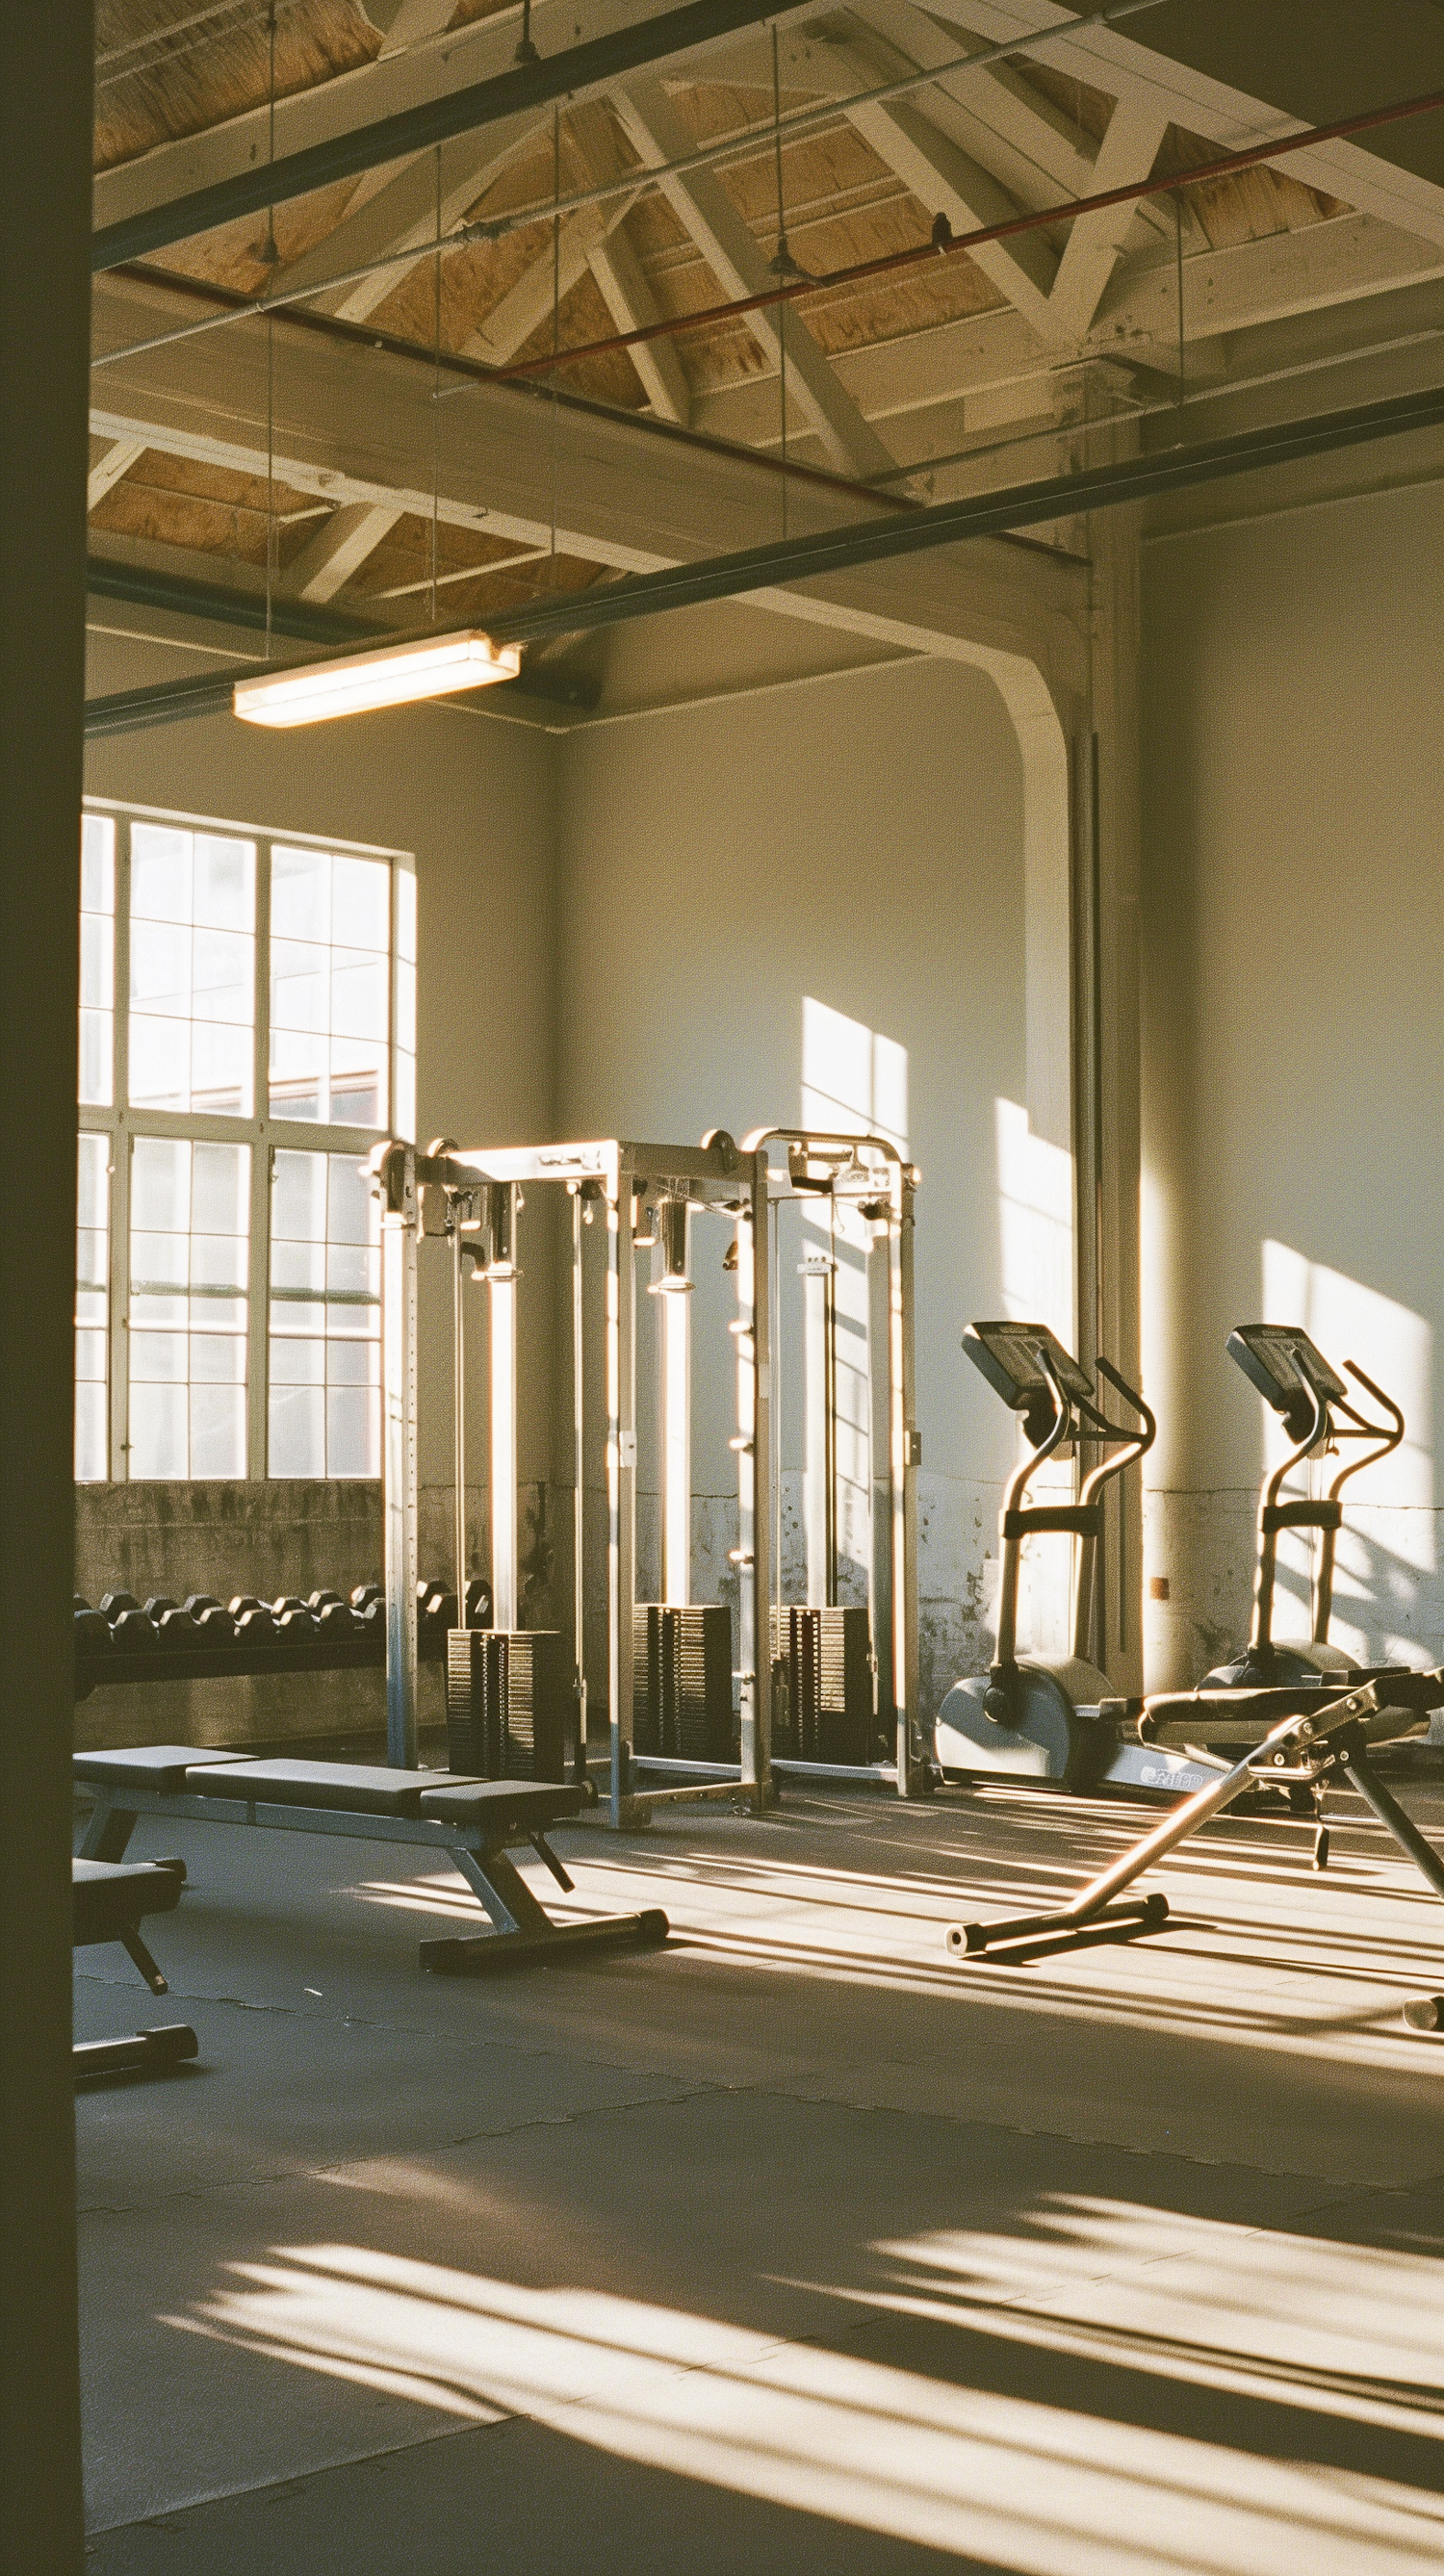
160, 967
296, 1430
330, 980
97, 863
160, 873
97, 959
192, 963
325, 1359
361, 903
300, 894
358, 995
406, 1096
358, 1083
92, 1310
160, 1063
406, 915
190, 1230
225, 883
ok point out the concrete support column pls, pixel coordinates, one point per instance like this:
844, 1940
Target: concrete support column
1106, 1041
45, 155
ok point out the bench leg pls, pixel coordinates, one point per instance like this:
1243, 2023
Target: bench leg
525, 1934
135, 1949
108, 1832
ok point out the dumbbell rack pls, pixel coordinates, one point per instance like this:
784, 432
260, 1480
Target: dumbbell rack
307, 1642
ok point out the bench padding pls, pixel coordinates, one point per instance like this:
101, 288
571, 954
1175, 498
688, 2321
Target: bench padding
357, 1788
110, 1897
532, 1804
161, 1767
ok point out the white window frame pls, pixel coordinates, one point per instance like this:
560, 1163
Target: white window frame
264, 1133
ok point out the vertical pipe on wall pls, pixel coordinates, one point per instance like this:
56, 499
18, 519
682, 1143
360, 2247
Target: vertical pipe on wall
579, 1469
621, 1473
45, 178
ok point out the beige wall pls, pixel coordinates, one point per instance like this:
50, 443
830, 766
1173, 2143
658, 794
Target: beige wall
1294, 1093
856, 840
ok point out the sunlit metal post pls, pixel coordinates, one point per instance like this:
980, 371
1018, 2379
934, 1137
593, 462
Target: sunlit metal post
395, 1167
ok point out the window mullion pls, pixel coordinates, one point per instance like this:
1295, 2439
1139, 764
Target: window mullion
119, 1272
259, 1258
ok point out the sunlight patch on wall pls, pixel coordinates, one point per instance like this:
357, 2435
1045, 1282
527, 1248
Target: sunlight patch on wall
1388, 1540
853, 1080
1035, 1224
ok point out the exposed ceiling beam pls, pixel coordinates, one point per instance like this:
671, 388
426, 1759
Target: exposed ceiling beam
578, 70
948, 182
1114, 61
400, 23
107, 470
981, 514
403, 216
338, 549
703, 207
763, 569
543, 283
1128, 151
633, 307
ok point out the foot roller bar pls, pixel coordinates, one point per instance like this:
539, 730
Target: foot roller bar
1300, 1734
473, 1821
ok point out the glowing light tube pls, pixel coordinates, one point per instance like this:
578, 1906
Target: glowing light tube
431, 667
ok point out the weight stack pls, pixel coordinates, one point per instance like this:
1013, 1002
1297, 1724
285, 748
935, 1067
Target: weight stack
509, 1703
829, 1682
682, 1681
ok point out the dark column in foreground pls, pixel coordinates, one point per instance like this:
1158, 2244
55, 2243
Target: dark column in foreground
45, 155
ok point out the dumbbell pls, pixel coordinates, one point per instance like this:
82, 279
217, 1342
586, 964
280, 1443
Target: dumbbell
92, 1633
134, 1631
215, 1626
157, 1606
177, 1629
365, 1594
114, 1604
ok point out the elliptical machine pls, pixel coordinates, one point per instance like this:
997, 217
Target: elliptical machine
1039, 1717
1313, 1403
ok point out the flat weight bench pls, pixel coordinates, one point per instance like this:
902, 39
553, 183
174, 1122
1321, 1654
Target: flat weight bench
1306, 1735
109, 1901
474, 1821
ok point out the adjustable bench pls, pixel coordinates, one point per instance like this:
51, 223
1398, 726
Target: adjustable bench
109, 1900
1297, 1735
475, 1822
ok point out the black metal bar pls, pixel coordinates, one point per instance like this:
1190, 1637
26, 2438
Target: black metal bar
432, 121
1389, 1812
980, 514
493, 1951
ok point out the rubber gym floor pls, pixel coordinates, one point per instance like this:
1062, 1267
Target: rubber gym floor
796, 2247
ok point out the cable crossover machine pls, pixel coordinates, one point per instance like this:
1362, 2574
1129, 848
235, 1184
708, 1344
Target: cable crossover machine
808, 1694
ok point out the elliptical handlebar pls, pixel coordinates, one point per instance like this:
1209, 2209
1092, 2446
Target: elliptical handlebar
1074, 1417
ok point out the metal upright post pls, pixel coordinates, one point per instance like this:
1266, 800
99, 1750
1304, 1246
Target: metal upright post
399, 1226
914, 1777
621, 1475
458, 1365
754, 1271
579, 1460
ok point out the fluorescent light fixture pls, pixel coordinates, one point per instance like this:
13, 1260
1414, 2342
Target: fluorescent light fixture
431, 667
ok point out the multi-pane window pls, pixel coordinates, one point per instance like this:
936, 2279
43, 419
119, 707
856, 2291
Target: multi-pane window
248, 1030
192, 970
97, 960
330, 987
92, 1310
325, 1408
189, 1265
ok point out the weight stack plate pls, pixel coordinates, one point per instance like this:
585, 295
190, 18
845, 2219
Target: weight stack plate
827, 1655
682, 1680
509, 1703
